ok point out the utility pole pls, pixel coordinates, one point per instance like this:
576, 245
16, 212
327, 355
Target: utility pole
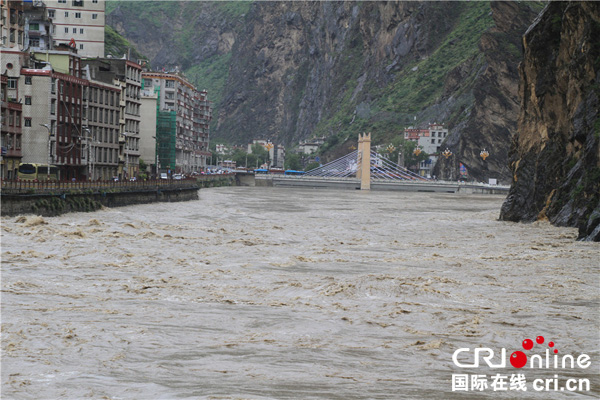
47, 126
90, 154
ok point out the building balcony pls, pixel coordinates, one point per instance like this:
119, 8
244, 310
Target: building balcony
15, 153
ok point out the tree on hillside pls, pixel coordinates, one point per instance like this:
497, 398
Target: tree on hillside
407, 147
260, 153
292, 161
312, 165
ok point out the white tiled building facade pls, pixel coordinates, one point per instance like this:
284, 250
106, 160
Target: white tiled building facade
80, 22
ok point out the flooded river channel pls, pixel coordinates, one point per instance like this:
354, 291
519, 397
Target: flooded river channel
271, 293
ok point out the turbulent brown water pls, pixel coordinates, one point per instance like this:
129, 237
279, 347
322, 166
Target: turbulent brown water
255, 293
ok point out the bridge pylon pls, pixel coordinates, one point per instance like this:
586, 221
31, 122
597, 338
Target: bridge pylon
364, 161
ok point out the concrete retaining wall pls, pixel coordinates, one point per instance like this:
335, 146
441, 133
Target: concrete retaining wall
52, 204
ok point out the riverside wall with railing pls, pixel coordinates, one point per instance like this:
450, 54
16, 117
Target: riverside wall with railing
48, 198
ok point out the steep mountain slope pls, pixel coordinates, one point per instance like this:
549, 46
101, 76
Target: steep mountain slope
555, 159
291, 70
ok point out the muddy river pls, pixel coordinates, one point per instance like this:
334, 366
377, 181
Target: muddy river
270, 293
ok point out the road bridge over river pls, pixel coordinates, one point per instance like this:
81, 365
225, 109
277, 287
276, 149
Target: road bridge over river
365, 169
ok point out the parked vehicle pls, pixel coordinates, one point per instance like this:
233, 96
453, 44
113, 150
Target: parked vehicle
163, 175
37, 172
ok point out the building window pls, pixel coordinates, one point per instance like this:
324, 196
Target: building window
80, 47
27, 100
34, 42
81, 31
77, 15
94, 16
77, 3
53, 107
12, 83
170, 84
62, 1
28, 80
34, 27
51, 13
53, 86
66, 30
12, 35
95, 1
74, 30
66, 13
27, 121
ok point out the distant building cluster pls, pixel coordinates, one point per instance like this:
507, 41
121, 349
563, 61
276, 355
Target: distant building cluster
93, 117
276, 153
430, 141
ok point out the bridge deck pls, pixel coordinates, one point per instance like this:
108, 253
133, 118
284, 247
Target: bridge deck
353, 184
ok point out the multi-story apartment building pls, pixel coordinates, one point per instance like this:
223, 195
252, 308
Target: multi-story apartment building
183, 122
53, 129
149, 113
38, 26
128, 76
429, 140
11, 132
202, 118
101, 119
79, 23
13, 24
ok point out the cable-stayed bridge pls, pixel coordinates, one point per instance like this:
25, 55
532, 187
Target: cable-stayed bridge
366, 169
349, 166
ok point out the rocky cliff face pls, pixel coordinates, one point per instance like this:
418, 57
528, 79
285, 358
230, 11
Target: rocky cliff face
555, 158
292, 70
491, 120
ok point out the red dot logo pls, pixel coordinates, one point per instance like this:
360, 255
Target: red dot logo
527, 344
539, 339
551, 344
518, 359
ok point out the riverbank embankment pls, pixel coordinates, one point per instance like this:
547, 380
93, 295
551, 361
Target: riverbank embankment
56, 198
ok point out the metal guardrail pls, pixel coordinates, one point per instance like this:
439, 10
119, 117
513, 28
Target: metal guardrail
382, 180
43, 187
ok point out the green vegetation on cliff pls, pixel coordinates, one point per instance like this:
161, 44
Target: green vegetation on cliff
116, 45
211, 75
417, 85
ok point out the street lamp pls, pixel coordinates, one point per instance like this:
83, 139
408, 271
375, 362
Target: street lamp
269, 146
125, 153
484, 154
90, 140
49, 127
390, 149
156, 155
